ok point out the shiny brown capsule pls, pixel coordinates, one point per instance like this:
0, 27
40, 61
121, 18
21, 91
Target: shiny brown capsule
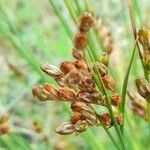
109, 82
4, 118
67, 66
143, 87
105, 119
87, 85
78, 54
115, 99
4, 128
65, 128
66, 93
76, 116
80, 41
85, 22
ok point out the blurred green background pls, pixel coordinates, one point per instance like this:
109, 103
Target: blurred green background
30, 34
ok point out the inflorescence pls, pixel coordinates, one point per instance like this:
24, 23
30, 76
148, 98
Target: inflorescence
77, 86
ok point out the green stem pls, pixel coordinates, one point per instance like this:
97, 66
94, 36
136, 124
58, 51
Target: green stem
124, 87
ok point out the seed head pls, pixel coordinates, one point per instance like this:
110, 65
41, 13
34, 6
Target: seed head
51, 70
115, 99
85, 22
87, 85
67, 66
80, 64
81, 126
95, 97
119, 119
109, 82
45, 92
102, 68
4, 128
144, 38
76, 116
78, 54
105, 119
66, 93
65, 128
143, 87
80, 41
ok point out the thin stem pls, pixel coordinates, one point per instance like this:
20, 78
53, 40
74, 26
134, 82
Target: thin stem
124, 87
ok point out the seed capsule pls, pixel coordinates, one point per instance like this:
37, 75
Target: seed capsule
66, 93
105, 119
45, 92
89, 117
87, 85
119, 119
81, 126
81, 106
4, 128
67, 66
78, 54
65, 128
76, 116
80, 41
109, 83
144, 37
143, 87
80, 64
102, 68
115, 99
95, 97
85, 22
51, 70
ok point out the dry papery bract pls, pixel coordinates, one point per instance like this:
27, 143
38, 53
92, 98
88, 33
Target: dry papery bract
76, 85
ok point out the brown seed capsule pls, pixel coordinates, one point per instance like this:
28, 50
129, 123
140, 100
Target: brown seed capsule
87, 85
115, 99
4, 128
4, 118
78, 54
67, 66
51, 70
66, 93
108, 82
143, 87
119, 119
73, 77
81, 126
144, 37
89, 117
85, 22
105, 119
80, 41
76, 116
95, 97
81, 106
65, 128
80, 64
102, 68
45, 92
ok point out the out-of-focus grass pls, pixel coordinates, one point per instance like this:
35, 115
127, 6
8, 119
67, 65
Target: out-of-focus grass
30, 34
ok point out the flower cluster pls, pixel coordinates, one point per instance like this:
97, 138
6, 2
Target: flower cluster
144, 39
4, 127
139, 98
76, 85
